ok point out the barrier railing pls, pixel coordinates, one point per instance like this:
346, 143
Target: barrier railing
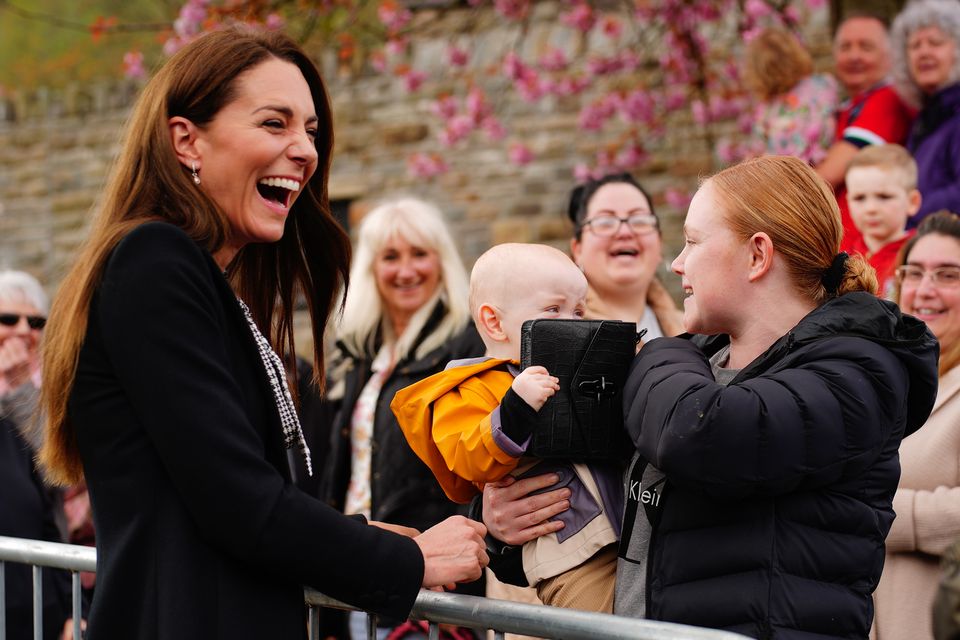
435, 607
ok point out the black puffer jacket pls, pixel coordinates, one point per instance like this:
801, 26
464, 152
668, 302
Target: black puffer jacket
403, 489
779, 486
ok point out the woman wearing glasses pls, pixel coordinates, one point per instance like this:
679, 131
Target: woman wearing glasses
30, 509
927, 502
617, 244
22, 316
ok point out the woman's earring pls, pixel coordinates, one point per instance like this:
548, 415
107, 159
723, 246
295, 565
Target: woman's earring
194, 174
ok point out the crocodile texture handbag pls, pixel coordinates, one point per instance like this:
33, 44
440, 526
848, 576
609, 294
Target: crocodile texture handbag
583, 421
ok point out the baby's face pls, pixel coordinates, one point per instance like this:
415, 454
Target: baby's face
558, 294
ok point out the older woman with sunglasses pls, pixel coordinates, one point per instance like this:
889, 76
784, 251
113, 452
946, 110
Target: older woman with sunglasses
29, 509
927, 501
23, 314
23, 311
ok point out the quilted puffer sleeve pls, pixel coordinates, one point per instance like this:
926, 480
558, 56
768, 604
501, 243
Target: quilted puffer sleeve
804, 423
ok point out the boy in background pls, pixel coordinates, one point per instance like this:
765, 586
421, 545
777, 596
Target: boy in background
471, 423
882, 193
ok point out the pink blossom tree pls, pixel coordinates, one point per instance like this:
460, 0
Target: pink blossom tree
634, 66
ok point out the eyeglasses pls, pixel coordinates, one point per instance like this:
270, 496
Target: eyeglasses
940, 277
608, 225
12, 319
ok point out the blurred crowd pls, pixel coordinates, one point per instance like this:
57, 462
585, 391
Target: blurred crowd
883, 131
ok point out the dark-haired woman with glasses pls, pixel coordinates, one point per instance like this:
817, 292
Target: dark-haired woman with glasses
927, 501
618, 246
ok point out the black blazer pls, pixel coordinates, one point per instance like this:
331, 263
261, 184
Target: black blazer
200, 533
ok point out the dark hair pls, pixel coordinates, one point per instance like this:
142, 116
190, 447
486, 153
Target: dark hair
312, 257
148, 182
942, 223
582, 194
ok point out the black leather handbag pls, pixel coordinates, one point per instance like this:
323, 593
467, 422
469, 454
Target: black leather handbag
583, 421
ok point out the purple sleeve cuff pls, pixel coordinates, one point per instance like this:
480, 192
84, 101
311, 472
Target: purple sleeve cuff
503, 441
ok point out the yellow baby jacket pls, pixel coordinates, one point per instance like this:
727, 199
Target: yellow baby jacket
446, 419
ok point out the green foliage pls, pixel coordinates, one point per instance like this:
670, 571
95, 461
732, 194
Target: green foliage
52, 42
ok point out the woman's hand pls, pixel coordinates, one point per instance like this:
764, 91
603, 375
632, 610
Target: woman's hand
535, 385
514, 516
67, 633
453, 551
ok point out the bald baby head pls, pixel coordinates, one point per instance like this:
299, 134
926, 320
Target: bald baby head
512, 283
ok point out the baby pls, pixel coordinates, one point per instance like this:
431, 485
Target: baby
471, 423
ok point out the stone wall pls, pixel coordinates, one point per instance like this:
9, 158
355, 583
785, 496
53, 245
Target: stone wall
56, 146
55, 149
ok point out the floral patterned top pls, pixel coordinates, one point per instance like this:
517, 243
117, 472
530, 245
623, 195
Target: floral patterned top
361, 434
799, 122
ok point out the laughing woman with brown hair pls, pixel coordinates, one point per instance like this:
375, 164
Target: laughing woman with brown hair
161, 384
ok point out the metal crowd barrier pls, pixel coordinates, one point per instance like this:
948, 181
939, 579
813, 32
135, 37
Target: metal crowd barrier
435, 607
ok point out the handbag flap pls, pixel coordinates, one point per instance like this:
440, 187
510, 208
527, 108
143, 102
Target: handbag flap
584, 419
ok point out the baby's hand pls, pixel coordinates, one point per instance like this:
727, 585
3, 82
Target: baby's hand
535, 385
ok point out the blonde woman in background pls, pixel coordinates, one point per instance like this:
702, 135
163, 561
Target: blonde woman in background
405, 317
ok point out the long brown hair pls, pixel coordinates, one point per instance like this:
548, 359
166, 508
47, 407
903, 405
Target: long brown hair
942, 223
784, 198
149, 183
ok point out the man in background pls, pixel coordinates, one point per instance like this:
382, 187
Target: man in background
872, 113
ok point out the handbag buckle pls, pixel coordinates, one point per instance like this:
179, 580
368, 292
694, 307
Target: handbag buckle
600, 388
